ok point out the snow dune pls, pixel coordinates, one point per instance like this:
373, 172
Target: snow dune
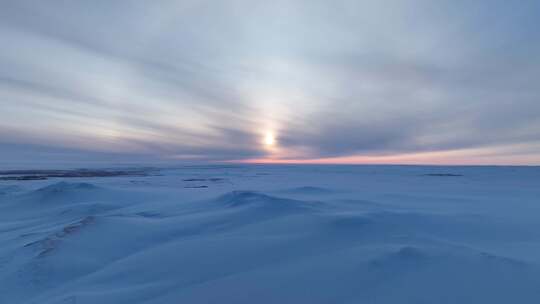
341, 234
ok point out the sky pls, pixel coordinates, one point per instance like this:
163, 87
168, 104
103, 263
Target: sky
297, 81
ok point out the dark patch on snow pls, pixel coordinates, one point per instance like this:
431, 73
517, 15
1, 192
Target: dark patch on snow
443, 175
51, 242
505, 260
136, 182
213, 179
149, 214
22, 178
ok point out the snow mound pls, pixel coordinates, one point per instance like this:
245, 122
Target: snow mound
251, 199
4, 190
63, 192
62, 187
396, 238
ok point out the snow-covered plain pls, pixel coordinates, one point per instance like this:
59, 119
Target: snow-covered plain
274, 234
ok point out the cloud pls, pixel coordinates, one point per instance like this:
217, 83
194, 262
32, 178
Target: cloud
206, 79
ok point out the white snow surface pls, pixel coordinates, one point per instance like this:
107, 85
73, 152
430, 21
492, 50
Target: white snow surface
274, 234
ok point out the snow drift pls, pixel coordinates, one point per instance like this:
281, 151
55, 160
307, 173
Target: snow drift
400, 238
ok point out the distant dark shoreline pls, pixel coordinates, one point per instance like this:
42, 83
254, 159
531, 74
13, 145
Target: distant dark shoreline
24, 175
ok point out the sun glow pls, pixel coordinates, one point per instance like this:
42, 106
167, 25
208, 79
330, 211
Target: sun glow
269, 139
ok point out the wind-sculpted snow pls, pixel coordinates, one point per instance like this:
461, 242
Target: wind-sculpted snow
64, 192
238, 199
399, 238
4, 190
51, 242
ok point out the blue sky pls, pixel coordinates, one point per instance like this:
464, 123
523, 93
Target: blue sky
403, 81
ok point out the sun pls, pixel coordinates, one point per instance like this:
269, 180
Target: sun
269, 139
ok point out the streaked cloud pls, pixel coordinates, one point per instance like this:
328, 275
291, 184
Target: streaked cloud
333, 80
